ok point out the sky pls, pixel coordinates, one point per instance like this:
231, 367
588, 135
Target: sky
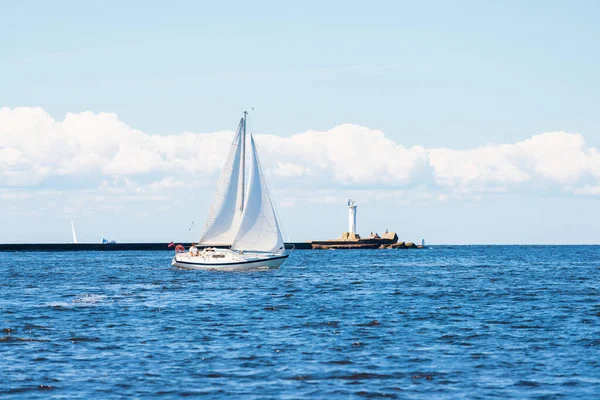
461, 122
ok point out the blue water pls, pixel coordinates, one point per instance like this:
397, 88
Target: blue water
447, 322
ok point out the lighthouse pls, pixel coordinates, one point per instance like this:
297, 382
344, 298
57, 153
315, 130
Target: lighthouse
351, 217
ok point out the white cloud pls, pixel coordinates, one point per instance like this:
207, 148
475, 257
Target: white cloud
588, 190
166, 183
558, 158
33, 146
350, 154
327, 199
35, 150
15, 196
289, 170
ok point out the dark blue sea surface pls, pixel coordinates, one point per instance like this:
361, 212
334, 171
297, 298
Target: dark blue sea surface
447, 322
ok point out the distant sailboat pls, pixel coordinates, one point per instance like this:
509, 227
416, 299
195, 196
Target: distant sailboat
241, 216
73, 231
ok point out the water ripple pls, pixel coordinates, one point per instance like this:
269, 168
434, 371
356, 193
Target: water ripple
451, 322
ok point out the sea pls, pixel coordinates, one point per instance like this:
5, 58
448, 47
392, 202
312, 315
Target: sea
445, 322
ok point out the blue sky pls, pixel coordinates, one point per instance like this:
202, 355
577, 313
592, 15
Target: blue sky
435, 75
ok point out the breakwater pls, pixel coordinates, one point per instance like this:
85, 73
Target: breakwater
316, 245
333, 245
54, 247
349, 241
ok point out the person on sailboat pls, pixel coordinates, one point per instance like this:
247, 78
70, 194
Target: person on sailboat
193, 250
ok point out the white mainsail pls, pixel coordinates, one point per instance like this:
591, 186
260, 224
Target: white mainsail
225, 212
73, 231
258, 229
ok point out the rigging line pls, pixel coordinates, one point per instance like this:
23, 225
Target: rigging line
263, 182
277, 218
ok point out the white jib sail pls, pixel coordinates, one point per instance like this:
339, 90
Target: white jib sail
73, 231
224, 215
258, 229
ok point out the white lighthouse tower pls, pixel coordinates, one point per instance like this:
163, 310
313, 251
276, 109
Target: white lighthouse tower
352, 218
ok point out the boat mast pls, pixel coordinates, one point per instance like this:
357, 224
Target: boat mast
243, 166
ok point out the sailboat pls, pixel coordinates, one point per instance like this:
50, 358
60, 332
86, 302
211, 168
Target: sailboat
73, 231
241, 216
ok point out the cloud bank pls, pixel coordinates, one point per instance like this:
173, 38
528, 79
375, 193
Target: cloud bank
36, 149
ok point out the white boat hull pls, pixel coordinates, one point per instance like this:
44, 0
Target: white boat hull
228, 260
